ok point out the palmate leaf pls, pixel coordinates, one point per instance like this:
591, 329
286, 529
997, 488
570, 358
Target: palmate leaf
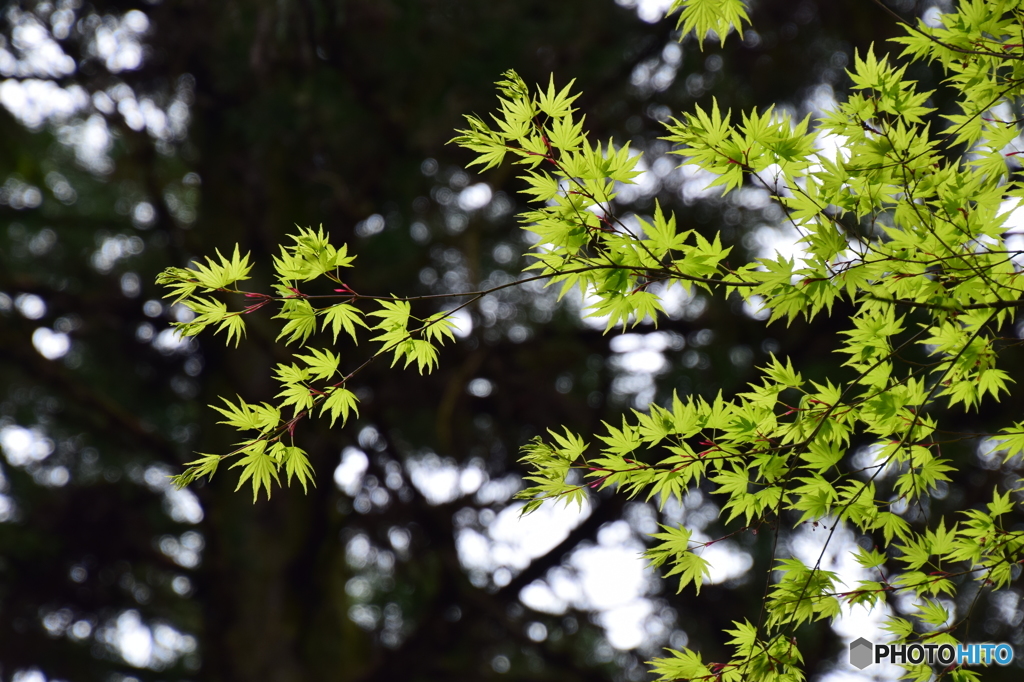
892, 526
570, 446
622, 441
258, 467
180, 283
419, 351
321, 364
301, 319
294, 388
690, 567
661, 235
340, 402
489, 145
543, 186
566, 134
705, 16
933, 613
342, 316
674, 485
439, 327
222, 273
674, 548
683, 665
394, 322
1000, 504
627, 309
310, 257
241, 416
296, 464
611, 164
205, 466
822, 455
556, 105
207, 310
675, 541
234, 323
516, 119
708, 137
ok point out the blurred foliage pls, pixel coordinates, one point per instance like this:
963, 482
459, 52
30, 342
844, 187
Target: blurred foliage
180, 127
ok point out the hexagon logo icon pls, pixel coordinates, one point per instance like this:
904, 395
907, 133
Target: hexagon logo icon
861, 651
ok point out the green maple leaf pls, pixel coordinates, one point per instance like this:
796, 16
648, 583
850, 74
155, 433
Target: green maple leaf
340, 402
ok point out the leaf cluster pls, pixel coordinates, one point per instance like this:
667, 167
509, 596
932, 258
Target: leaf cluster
316, 382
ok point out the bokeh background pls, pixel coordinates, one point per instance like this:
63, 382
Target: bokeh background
140, 135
